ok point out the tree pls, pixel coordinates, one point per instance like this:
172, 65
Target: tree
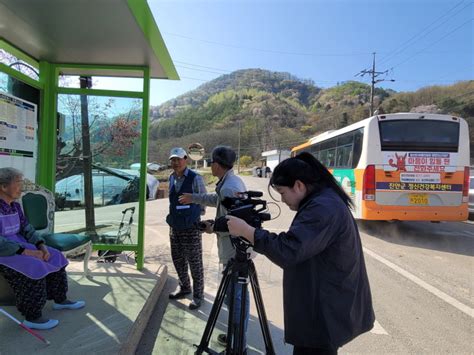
245, 160
86, 82
111, 133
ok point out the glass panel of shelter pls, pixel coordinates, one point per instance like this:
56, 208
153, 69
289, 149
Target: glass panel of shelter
113, 127
103, 82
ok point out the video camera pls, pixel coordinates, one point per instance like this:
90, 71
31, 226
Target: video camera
244, 206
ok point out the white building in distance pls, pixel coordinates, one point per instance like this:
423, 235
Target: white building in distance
274, 157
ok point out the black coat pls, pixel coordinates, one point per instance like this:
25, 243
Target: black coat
326, 292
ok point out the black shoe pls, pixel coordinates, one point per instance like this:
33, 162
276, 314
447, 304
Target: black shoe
222, 339
179, 294
195, 304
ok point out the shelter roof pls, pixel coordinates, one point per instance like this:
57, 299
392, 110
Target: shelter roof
88, 32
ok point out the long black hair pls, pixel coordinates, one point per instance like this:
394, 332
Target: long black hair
309, 170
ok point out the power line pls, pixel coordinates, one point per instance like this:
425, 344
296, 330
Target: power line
202, 66
207, 80
225, 71
428, 82
433, 43
189, 78
414, 38
267, 50
201, 70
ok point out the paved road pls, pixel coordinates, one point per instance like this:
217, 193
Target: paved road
421, 276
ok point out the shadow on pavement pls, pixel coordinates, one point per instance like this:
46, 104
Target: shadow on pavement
97, 327
174, 329
451, 237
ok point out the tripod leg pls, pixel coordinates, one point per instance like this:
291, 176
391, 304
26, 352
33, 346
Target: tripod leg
216, 307
240, 334
230, 321
262, 316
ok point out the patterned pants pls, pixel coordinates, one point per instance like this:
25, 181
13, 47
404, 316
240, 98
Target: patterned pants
186, 248
31, 295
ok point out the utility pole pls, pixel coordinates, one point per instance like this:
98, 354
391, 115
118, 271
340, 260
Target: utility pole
238, 152
374, 74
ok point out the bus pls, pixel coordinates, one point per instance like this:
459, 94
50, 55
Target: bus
401, 166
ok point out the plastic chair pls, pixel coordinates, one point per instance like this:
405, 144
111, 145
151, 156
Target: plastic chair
38, 206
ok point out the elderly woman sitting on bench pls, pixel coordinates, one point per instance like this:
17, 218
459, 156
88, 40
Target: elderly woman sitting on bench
34, 271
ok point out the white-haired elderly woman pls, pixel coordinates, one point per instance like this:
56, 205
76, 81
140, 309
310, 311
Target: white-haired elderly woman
35, 272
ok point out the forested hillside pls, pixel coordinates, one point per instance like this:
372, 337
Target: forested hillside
277, 110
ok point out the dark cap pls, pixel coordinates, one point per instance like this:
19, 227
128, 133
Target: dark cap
223, 156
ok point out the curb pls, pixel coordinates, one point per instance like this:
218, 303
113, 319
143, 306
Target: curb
129, 346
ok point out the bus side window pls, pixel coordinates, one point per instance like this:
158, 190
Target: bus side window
339, 157
323, 157
315, 150
331, 158
357, 149
344, 155
345, 139
351, 153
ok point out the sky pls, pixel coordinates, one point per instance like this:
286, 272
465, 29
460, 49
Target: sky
418, 42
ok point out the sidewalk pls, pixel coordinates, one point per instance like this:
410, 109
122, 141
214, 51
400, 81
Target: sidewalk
116, 297
119, 301
173, 328
126, 307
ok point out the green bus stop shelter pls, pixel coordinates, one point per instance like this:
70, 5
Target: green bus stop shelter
69, 134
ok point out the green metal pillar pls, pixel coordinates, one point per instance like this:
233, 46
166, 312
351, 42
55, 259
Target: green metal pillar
47, 127
143, 168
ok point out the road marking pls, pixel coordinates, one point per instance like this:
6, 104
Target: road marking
377, 329
438, 293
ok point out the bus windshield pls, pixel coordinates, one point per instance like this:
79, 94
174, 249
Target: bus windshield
419, 135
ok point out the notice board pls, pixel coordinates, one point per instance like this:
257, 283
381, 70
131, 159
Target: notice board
18, 134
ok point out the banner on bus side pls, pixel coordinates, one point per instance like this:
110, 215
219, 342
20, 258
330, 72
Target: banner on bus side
345, 178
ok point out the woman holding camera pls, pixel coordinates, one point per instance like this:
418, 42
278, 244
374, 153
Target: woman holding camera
327, 299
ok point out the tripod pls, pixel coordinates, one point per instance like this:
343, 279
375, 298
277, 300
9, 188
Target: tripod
237, 274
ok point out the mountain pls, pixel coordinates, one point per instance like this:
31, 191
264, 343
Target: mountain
240, 80
268, 110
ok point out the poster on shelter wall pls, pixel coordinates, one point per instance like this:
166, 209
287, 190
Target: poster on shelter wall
18, 134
